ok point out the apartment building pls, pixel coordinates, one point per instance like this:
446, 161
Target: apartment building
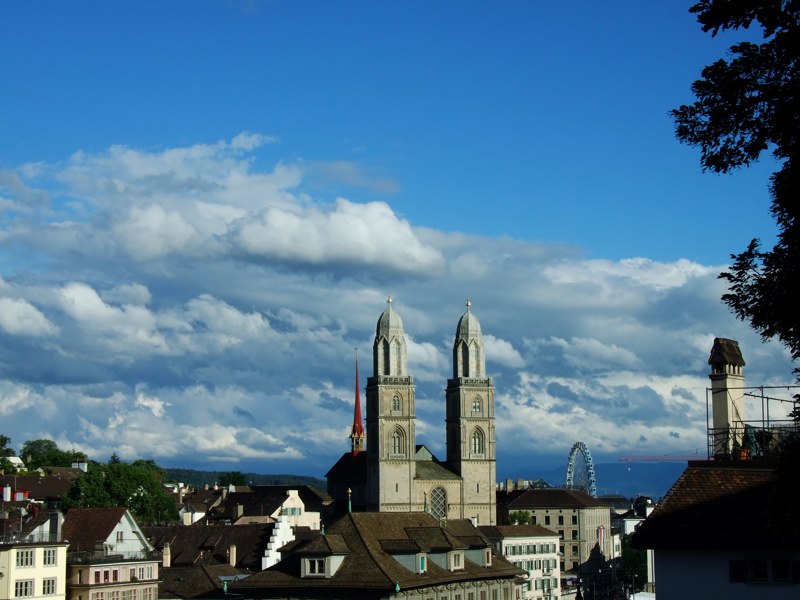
582, 523
533, 549
32, 569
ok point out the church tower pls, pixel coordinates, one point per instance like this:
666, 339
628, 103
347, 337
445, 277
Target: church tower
358, 437
470, 421
390, 419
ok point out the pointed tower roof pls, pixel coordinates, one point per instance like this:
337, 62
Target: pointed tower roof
468, 327
389, 351
357, 433
389, 323
468, 353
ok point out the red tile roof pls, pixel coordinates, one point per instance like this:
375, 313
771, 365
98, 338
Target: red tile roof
85, 528
717, 505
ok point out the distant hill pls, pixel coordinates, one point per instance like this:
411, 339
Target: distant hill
651, 479
201, 478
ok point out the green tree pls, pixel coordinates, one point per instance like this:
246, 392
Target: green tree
745, 106
520, 517
233, 478
634, 563
5, 452
46, 453
136, 486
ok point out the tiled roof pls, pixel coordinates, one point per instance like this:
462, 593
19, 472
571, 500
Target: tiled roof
549, 498
85, 528
716, 505
194, 582
40, 487
350, 468
434, 470
209, 544
515, 531
369, 568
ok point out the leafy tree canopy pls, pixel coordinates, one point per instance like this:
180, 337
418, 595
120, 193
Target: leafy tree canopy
136, 486
746, 105
5, 452
46, 453
233, 478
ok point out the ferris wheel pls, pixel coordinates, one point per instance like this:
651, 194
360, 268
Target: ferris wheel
580, 470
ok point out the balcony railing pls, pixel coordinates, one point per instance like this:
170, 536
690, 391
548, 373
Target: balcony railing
104, 557
13, 537
749, 440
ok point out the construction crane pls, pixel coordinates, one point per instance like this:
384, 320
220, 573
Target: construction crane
661, 457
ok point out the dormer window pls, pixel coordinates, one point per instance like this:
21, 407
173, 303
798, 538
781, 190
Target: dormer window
457, 560
422, 563
487, 557
313, 567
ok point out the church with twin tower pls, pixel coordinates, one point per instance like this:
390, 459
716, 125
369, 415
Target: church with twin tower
386, 470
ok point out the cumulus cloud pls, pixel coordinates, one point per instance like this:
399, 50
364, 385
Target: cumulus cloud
348, 233
19, 317
195, 306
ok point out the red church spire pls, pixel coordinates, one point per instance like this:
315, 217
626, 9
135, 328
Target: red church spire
358, 436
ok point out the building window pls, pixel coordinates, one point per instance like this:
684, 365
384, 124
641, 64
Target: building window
315, 566
456, 564
120, 536
476, 405
547, 520
25, 558
396, 403
49, 557
439, 503
422, 564
574, 519
574, 534
477, 442
560, 519
23, 588
398, 445
49, 586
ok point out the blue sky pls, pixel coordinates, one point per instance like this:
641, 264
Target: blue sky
203, 206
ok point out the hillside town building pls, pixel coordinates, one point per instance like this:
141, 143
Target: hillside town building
405, 555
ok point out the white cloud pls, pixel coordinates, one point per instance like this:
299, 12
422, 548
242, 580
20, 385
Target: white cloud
188, 305
502, 352
349, 233
153, 404
19, 317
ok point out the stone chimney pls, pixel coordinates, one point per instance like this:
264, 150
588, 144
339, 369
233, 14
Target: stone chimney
166, 560
727, 395
232, 555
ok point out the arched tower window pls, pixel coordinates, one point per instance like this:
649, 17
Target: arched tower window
398, 442
439, 503
385, 366
396, 406
477, 442
476, 404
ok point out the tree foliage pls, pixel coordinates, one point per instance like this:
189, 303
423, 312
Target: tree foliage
46, 453
5, 452
137, 486
744, 106
233, 478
